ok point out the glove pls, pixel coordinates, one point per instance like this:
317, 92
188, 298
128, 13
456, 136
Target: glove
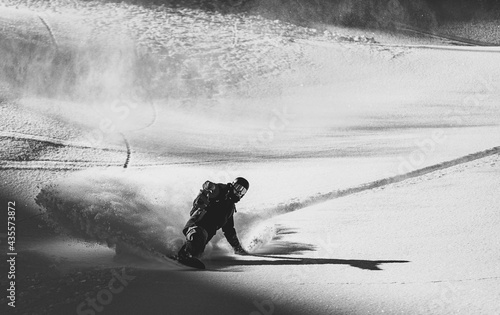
210, 189
238, 250
209, 186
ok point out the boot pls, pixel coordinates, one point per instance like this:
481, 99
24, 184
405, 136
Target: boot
183, 254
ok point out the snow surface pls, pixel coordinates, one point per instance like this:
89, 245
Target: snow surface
339, 115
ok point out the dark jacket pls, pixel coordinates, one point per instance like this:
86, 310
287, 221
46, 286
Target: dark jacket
213, 211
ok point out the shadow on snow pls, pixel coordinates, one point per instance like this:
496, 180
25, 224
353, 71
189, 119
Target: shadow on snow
282, 261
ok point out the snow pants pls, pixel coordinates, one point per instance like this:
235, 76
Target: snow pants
196, 240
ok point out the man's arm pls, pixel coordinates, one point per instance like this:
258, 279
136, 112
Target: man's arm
209, 191
232, 238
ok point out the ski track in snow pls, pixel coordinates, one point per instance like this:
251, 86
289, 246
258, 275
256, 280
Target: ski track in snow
49, 29
56, 141
292, 206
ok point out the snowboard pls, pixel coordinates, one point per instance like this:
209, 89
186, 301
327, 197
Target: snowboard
190, 262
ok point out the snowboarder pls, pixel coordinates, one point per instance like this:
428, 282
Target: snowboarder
213, 209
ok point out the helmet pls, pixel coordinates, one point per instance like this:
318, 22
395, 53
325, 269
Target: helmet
240, 186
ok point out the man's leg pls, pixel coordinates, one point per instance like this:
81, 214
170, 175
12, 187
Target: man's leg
196, 240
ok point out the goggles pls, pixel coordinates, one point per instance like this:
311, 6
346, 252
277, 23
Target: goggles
239, 190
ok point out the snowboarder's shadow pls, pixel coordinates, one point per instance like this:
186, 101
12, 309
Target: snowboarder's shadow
275, 254
269, 255
269, 260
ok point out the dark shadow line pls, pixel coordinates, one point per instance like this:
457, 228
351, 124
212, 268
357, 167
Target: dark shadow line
127, 145
281, 261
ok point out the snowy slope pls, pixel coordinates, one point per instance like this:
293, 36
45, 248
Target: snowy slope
308, 115
427, 245
434, 239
